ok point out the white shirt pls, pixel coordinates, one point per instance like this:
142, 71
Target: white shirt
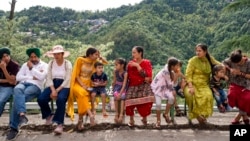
38, 71
58, 71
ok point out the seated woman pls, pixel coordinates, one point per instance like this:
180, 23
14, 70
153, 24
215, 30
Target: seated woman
80, 86
198, 93
57, 87
238, 68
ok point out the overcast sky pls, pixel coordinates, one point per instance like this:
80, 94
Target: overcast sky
79, 5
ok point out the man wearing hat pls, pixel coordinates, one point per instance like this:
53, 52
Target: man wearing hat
8, 71
31, 78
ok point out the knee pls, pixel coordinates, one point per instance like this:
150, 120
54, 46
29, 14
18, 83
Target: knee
61, 100
40, 100
171, 100
16, 90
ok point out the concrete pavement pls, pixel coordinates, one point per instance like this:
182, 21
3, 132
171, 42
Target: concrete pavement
219, 121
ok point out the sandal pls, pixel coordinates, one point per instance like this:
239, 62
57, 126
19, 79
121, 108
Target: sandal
221, 109
235, 122
92, 121
80, 125
201, 119
158, 124
166, 117
120, 119
246, 121
178, 111
131, 123
144, 122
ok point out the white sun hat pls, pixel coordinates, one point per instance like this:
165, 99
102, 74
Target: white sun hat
57, 49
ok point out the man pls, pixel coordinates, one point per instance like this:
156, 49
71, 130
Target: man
31, 78
8, 71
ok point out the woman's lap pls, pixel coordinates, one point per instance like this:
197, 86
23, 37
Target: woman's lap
239, 97
201, 103
82, 99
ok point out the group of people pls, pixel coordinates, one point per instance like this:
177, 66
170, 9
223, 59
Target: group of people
133, 86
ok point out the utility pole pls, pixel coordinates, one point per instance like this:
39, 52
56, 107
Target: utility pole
10, 23
12, 9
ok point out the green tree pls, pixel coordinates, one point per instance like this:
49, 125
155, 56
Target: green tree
238, 4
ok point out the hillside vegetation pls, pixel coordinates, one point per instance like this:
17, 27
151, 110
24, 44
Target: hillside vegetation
164, 27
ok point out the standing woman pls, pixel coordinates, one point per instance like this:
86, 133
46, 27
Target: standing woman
56, 87
238, 67
198, 94
80, 86
139, 94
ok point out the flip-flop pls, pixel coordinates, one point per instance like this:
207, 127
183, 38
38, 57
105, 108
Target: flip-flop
166, 118
80, 125
92, 121
144, 122
131, 123
158, 124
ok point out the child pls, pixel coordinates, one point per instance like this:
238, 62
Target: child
216, 84
179, 86
163, 88
99, 81
119, 88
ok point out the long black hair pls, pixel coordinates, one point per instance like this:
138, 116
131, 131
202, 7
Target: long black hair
139, 50
122, 61
90, 51
172, 61
236, 56
204, 48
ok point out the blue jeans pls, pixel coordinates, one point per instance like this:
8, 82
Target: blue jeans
23, 92
44, 99
221, 98
5, 94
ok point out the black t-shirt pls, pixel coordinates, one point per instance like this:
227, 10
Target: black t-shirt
99, 78
12, 68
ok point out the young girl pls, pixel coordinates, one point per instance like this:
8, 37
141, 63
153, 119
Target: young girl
179, 87
216, 84
163, 88
119, 88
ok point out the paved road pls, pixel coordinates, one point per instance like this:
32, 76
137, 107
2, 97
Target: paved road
128, 135
106, 130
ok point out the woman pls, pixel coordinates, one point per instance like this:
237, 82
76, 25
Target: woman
57, 87
198, 94
238, 67
80, 86
139, 94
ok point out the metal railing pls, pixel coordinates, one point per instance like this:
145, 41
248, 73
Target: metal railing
35, 106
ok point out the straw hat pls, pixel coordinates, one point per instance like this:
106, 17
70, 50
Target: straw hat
57, 49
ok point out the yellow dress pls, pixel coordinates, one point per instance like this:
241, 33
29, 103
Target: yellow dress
84, 68
201, 102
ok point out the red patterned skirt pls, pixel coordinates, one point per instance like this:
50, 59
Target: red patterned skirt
239, 97
140, 97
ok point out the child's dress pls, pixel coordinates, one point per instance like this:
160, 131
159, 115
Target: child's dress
118, 85
163, 86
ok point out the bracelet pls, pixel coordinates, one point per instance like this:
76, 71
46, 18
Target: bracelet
243, 74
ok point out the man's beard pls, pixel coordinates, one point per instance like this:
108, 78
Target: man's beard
34, 62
